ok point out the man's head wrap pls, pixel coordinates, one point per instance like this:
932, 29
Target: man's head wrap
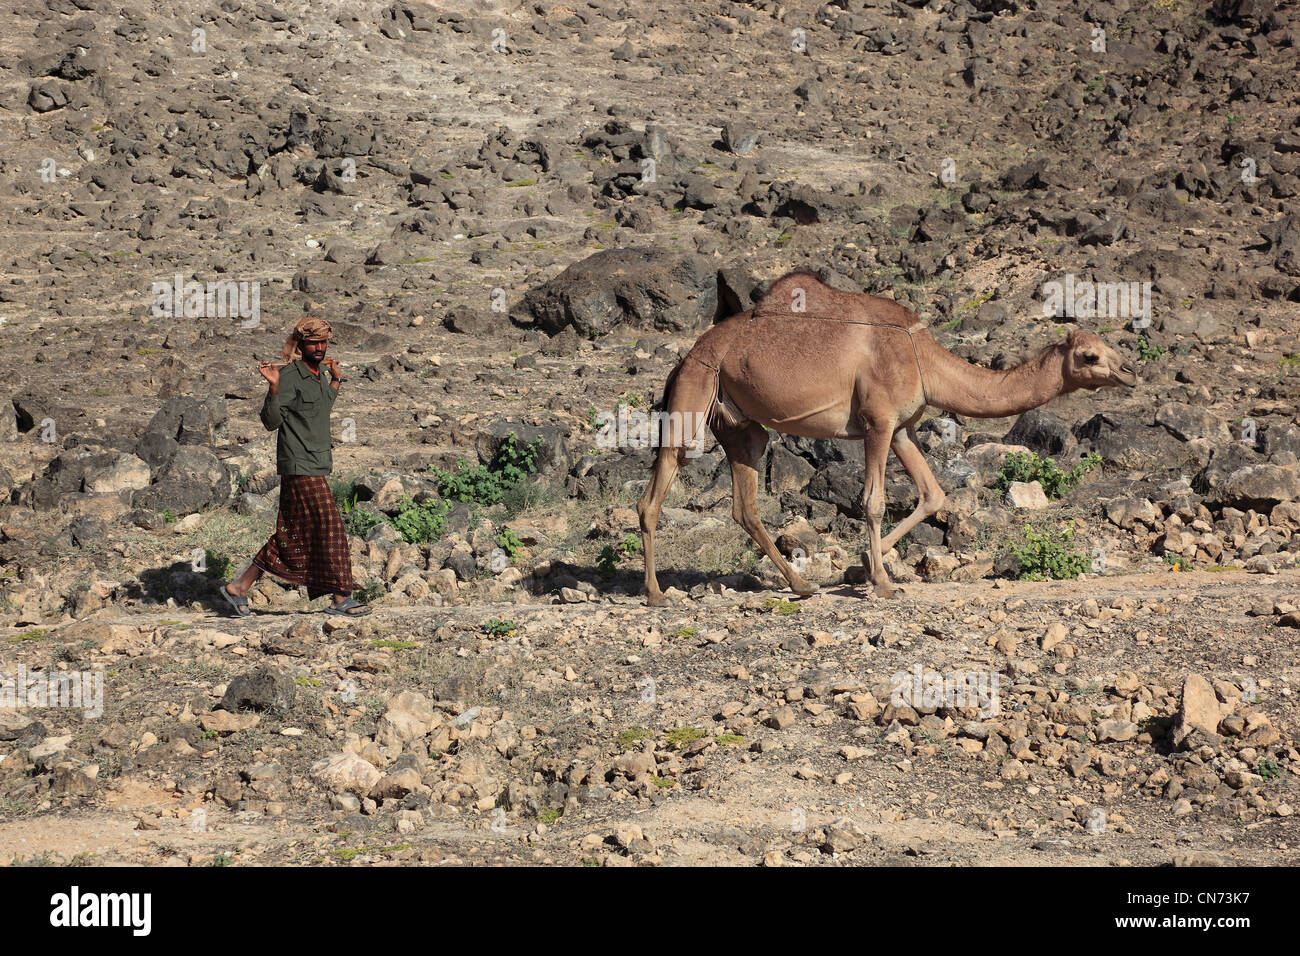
307, 330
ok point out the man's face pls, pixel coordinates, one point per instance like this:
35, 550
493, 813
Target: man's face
313, 350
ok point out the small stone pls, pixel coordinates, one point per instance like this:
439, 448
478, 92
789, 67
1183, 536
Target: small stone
739, 139
347, 802
409, 821
49, 747
1127, 682
346, 773
1056, 633
1013, 770
396, 785
1199, 709
1028, 495
224, 722
843, 836
1116, 730
625, 835
782, 719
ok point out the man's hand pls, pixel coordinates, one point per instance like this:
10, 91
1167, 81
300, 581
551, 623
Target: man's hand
271, 374
332, 367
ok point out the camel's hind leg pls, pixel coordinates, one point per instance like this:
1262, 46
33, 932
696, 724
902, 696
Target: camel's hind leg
661, 479
692, 389
876, 446
929, 491
744, 446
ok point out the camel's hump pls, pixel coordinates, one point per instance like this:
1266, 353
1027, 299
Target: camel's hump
803, 295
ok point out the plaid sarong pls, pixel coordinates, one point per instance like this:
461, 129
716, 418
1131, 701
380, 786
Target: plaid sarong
309, 546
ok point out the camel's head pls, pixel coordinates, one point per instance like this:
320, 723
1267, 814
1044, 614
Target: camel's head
1091, 363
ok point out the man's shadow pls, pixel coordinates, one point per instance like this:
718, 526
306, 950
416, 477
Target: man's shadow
181, 582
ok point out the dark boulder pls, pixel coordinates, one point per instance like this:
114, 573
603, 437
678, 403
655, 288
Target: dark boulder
191, 422
553, 450
1042, 432
644, 288
264, 689
1125, 443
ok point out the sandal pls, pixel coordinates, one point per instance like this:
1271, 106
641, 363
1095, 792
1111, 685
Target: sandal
346, 608
240, 604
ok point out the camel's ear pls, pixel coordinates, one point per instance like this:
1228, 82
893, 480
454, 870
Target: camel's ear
1072, 340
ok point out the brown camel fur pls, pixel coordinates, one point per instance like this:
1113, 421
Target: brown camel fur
813, 361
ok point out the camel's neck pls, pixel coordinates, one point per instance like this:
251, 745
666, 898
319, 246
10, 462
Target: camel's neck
956, 385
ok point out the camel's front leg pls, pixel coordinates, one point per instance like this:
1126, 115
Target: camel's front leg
876, 446
929, 492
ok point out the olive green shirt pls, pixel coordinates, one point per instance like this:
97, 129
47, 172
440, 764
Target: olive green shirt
301, 410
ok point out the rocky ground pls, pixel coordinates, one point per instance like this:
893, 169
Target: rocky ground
518, 217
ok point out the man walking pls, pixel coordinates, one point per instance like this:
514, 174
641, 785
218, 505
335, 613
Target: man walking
309, 546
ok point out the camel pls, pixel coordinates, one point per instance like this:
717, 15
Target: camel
813, 361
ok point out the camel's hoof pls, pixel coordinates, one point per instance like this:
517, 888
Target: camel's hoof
886, 591
805, 590
655, 600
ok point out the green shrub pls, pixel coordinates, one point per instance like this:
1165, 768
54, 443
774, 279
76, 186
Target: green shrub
679, 737
343, 490
607, 562
358, 522
781, 606
423, 522
488, 485
631, 737
218, 565
1027, 466
509, 542
1049, 557
1149, 351
525, 495
609, 557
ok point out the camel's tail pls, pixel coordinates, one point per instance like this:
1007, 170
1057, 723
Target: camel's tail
662, 403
